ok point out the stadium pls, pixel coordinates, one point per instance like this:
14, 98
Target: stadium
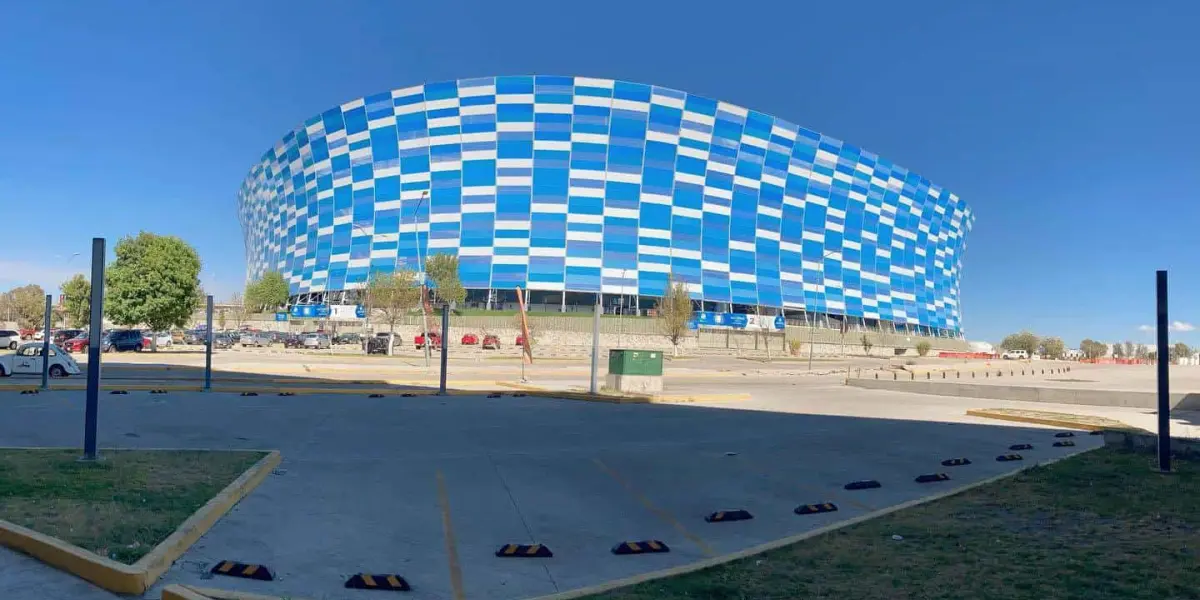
569, 187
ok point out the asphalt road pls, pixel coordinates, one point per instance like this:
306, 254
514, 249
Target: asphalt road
369, 484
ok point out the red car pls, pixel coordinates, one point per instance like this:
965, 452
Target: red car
470, 339
491, 342
27, 333
520, 340
78, 343
435, 340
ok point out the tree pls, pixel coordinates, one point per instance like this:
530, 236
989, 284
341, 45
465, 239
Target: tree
866, 344
442, 269
1092, 349
393, 295
29, 306
1129, 351
1117, 350
237, 312
674, 313
221, 319
1021, 341
923, 347
267, 293
155, 281
77, 300
1052, 347
1180, 350
1141, 352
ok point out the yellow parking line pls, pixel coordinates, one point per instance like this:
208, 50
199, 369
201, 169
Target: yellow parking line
658, 512
456, 580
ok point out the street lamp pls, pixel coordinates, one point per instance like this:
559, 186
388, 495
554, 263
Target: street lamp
812, 328
421, 266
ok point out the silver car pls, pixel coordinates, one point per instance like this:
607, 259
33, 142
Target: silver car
259, 340
9, 339
318, 341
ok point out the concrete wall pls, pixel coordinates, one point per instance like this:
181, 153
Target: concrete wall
1031, 393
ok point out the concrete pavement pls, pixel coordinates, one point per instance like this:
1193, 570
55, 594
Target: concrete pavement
369, 484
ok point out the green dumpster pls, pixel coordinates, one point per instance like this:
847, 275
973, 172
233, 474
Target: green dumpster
635, 362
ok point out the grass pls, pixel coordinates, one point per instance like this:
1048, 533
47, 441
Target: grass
120, 507
1100, 526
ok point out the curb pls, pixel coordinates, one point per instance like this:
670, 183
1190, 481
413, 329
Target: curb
189, 592
138, 577
542, 392
989, 413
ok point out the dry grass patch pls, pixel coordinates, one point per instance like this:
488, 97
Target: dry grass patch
120, 507
1103, 525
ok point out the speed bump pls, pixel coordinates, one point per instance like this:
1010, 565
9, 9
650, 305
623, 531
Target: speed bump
643, 547
243, 570
723, 516
519, 394
1063, 434
1097, 432
287, 393
813, 509
375, 395
1021, 447
494, 395
1009, 457
1063, 444
249, 393
406, 395
956, 462
118, 392
932, 477
865, 484
524, 551
158, 391
366, 581
25, 392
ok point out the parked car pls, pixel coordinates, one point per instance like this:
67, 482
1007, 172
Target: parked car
222, 341
277, 337
491, 342
293, 341
10, 338
435, 340
348, 338
162, 338
520, 340
28, 361
193, 337
78, 343
27, 333
258, 340
62, 335
318, 341
378, 344
123, 340
1014, 355
470, 339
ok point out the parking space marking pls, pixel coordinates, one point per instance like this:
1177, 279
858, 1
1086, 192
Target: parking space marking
456, 579
658, 512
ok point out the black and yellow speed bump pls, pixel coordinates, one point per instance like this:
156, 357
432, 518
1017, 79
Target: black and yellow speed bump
25, 392
249, 393
932, 477
1021, 447
1009, 457
1063, 434
642, 547
1063, 444
243, 570
374, 395
519, 394
864, 484
494, 395
524, 551
723, 516
158, 391
118, 392
287, 393
956, 462
407, 395
366, 581
814, 509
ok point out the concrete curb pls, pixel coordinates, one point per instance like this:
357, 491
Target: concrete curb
1094, 425
191, 592
138, 577
542, 392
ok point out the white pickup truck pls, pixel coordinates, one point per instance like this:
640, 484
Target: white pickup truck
28, 361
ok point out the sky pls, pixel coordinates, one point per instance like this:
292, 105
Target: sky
1070, 127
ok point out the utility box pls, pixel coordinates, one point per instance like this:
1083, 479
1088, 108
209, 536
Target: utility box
634, 371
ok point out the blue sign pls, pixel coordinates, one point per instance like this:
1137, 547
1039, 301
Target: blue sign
360, 312
780, 323
281, 316
310, 311
736, 320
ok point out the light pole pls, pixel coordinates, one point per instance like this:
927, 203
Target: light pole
813, 327
421, 266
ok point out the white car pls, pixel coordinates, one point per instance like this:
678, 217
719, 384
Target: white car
162, 338
9, 339
1014, 355
28, 361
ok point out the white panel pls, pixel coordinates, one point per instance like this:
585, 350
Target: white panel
739, 245
589, 138
624, 177
537, 251
475, 251
517, 126
551, 145
514, 98
579, 261
680, 211
585, 236
625, 213
546, 107
658, 136
743, 277
501, 259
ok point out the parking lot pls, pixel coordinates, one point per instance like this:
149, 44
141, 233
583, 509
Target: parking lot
375, 484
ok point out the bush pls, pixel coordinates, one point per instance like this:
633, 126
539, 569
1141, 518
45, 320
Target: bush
794, 347
923, 347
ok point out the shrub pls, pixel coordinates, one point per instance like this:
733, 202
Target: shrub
794, 347
923, 347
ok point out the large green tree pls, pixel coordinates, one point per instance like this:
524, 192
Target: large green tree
77, 300
29, 305
1180, 350
1021, 341
267, 293
674, 312
1092, 349
154, 281
1052, 347
442, 270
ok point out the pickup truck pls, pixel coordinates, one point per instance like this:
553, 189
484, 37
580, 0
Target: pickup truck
28, 361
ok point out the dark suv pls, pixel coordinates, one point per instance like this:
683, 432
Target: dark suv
122, 340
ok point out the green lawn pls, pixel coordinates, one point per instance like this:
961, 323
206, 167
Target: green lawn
1103, 525
121, 506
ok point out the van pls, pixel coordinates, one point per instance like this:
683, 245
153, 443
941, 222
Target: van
1015, 355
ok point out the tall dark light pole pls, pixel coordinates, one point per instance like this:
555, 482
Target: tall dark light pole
1164, 378
95, 326
46, 344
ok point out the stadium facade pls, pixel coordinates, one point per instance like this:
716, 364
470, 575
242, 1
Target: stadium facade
572, 186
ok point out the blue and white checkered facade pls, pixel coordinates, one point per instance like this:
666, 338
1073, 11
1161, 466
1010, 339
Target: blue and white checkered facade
594, 185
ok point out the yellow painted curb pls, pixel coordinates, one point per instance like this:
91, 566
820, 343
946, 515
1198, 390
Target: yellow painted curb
136, 578
787, 541
1085, 422
179, 592
191, 592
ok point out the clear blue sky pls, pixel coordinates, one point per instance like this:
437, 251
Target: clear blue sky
1070, 126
